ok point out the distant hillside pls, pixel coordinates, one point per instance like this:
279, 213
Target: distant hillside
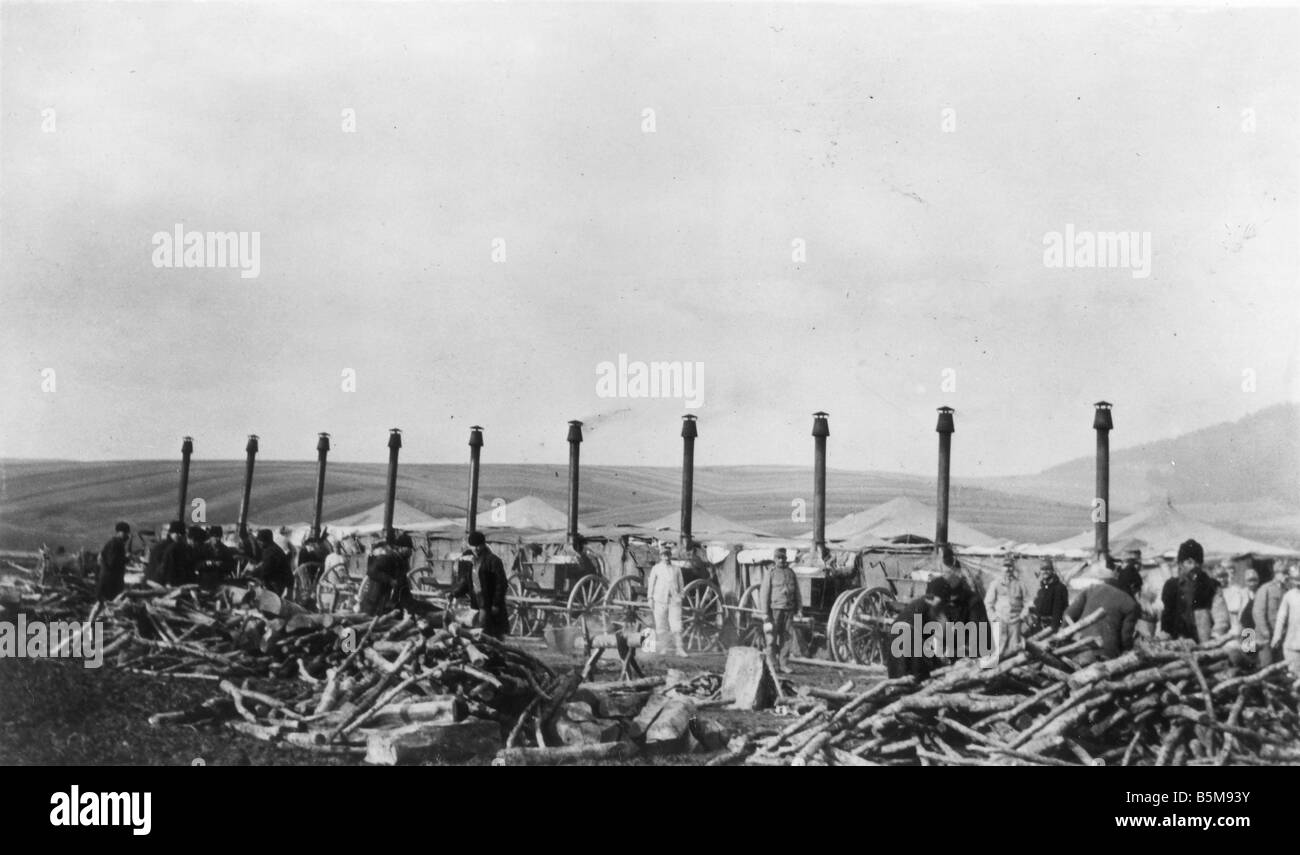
1245, 472
1244, 476
77, 503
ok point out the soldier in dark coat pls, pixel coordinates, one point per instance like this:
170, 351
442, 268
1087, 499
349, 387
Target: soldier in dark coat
215, 561
178, 557
1052, 599
1116, 628
485, 583
1188, 597
902, 658
388, 585
272, 568
153, 567
112, 563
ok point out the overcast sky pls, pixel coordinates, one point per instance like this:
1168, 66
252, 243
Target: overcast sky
924, 229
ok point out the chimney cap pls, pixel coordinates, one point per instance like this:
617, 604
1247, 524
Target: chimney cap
1103, 420
689, 430
252, 443
187, 443
820, 426
394, 437
323, 444
945, 424
575, 431
475, 436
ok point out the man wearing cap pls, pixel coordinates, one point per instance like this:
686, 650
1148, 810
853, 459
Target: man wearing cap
1052, 599
178, 557
272, 568
1115, 630
153, 571
1229, 603
1286, 631
1268, 599
112, 563
779, 601
1189, 597
214, 559
663, 590
485, 583
902, 658
1007, 604
1130, 575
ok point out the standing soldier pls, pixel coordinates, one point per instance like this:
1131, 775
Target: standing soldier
1286, 631
112, 564
663, 589
1053, 597
272, 568
485, 583
215, 561
1007, 603
778, 600
1264, 613
1189, 597
177, 558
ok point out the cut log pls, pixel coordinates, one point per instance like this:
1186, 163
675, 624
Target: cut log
587, 731
441, 708
432, 741
564, 754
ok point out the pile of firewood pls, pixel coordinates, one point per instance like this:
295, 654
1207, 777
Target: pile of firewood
1160, 704
391, 686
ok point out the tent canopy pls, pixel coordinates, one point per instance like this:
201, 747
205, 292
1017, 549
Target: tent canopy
1160, 527
529, 512
706, 525
405, 518
900, 517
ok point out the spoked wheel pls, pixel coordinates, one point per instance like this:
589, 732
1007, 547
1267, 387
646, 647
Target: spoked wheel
526, 618
702, 616
586, 596
336, 591
625, 604
868, 626
837, 622
749, 623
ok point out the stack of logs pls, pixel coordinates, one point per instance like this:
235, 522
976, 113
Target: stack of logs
1169, 703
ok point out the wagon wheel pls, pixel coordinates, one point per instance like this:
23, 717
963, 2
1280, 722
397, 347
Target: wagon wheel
526, 619
586, 596
837, 636
749, 623
868, 626
702, 616
336, 590
625, 603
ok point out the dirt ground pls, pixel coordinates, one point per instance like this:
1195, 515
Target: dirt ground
55, 712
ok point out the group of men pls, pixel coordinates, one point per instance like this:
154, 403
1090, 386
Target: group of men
196, 555
1193, 605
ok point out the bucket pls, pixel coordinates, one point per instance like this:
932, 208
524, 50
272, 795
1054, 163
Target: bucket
568, 640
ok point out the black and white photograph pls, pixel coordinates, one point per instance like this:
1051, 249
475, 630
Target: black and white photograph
888, 384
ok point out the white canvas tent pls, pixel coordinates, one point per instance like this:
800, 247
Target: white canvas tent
529, 513
1161, 527
900, 517
708, 526
405, 518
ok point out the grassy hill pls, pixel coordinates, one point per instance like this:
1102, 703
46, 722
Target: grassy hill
74, 503
1242, 475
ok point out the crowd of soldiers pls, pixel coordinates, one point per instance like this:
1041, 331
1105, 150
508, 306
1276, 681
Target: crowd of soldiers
201, 556
1262, 623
